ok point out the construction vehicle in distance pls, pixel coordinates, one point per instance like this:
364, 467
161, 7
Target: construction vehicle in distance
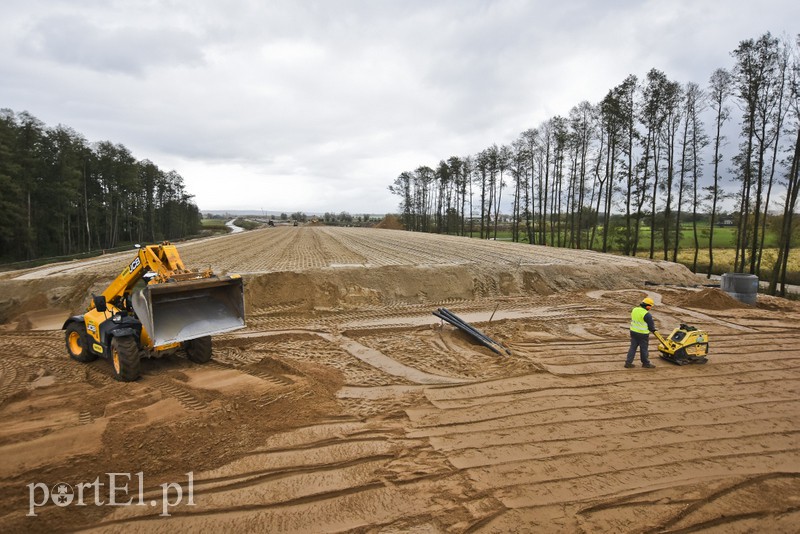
153, 308
686, 344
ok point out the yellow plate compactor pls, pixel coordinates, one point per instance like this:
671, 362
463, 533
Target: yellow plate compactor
685, 345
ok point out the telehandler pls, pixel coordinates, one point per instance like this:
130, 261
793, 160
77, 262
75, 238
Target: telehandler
154, 307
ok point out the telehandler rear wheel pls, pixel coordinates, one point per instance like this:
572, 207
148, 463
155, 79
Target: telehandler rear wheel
198, 350
78, 344
125, 358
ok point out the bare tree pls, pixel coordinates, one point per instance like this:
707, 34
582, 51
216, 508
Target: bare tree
531, 139
672, 112
778, 116
720, 89
625, 95
654, 117
779, 270
693, 142
754, 76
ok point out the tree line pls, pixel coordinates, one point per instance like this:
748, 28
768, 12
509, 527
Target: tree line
61, 195
641, 152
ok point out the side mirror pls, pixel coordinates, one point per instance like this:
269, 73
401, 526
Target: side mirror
100, 303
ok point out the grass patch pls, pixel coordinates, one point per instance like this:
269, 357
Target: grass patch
214, 227
247, 224
210, 224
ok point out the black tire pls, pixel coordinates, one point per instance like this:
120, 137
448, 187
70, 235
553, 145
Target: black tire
198, 350
77, 341
125, 358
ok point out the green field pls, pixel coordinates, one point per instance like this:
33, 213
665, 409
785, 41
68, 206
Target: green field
724, 248
724, 237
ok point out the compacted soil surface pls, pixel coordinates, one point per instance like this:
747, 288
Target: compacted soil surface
345, 405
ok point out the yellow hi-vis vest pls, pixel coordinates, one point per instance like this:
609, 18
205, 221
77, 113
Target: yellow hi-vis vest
638, 323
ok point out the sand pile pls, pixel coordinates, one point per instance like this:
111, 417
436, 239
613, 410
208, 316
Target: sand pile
354, 286
708, 299
390, 222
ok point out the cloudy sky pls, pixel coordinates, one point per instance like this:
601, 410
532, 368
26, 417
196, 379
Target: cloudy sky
317, 106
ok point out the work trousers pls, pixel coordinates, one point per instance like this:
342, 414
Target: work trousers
639, 341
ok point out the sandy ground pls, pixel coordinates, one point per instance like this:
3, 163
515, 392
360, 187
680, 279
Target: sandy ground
345, 405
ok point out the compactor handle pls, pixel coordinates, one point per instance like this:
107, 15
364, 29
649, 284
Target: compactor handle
660, 337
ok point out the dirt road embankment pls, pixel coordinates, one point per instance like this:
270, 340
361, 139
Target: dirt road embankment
321, 268
345, 405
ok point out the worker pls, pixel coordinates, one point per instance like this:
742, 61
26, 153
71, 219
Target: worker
641, 325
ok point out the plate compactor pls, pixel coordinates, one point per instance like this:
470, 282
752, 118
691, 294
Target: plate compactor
685, 345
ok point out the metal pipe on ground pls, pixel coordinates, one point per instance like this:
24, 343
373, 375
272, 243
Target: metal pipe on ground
465, 325
450, 317
468, 325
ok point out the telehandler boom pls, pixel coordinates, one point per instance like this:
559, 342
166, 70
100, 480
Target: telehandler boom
154, 307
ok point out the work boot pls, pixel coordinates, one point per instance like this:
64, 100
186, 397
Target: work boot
648, 365
629, 365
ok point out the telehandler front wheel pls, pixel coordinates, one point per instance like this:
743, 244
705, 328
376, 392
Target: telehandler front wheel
125, 358
78, 344
198, 350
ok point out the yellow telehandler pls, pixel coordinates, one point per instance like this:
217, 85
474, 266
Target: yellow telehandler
154, 307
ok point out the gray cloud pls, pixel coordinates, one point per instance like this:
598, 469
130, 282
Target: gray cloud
72, 40
318, 106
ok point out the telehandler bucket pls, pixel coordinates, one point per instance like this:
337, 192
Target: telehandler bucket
171, 312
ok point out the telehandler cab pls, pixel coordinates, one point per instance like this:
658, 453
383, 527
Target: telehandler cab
154, 307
